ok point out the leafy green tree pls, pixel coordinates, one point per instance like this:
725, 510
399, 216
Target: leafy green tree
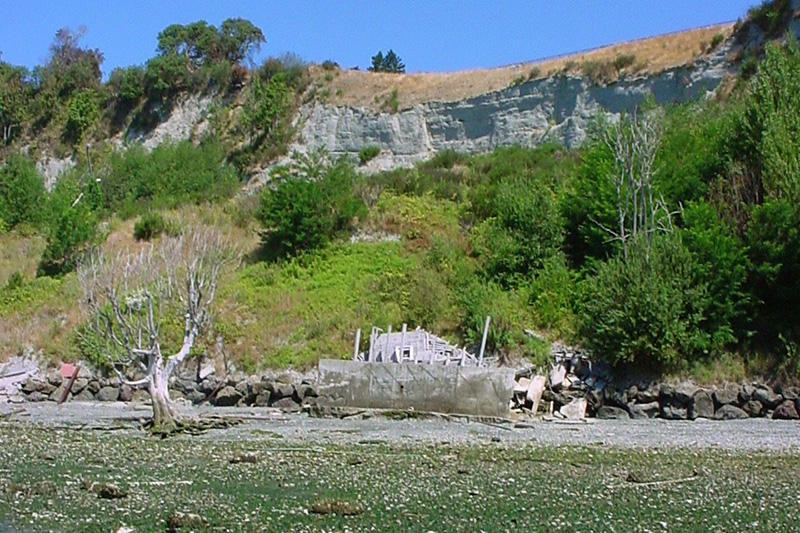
391, 62
239, 39
300, 214
71, 67
16, 93
83, 111
128, 85
22, 192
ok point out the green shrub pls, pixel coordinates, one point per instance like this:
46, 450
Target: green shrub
300, 214
623, 61
149, 226
524, 228
266, 103
392, 102
600, 72
647, 309
330, 65
83, 111
22, 192
716, 41
368, 153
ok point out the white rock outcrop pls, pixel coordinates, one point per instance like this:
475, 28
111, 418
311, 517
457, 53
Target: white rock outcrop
558, 109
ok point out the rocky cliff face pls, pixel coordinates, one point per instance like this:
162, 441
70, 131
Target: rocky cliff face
557, 109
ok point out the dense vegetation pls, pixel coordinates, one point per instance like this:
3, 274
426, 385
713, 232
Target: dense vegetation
680, 255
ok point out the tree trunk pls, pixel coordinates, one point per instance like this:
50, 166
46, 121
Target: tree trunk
165, 419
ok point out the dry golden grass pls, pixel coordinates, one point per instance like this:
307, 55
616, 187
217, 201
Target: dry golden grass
367, 89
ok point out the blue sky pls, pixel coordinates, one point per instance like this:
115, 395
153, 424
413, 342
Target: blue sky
429, 35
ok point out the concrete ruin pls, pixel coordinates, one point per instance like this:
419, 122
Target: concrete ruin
416, 370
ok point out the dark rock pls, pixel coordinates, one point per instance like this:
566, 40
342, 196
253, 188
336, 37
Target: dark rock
797, 404
632, 391
140, 396
651, 409
548, 395
789, 393
36, 396
594, 399
186, 386
684, 393
672, 412
615, 397
37, 385
125, 393
93, 386
768, 398
726, 396
701, 406
247, 457
54, 378
281, 390
195, 396
608, 412
648, 395
83, 396
286, 404
227, 397
107, 394
262, 400
636, 411
301, 392
745, 394
109, 491
178, 521
112, 381
79, 385
730, 412
209, 385
175, 394
666, 393
786, 411
56, 394
753, 408
241, 387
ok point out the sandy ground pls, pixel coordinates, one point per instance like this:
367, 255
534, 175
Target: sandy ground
752, 434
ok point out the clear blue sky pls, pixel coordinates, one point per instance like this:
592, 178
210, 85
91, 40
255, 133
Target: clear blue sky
429, 35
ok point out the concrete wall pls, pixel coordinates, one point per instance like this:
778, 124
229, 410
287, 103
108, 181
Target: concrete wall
433, 388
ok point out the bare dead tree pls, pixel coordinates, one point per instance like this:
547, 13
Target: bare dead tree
130, 296
634, 143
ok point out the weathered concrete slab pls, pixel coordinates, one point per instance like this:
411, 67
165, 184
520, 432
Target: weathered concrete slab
434, 388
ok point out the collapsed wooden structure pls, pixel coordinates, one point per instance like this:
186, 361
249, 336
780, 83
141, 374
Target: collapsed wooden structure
417, 347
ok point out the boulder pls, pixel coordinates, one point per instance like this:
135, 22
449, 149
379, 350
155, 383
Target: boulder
730, 412
666, 394
790, 393
262, 400
726, 396
674, 412
745, 394
56, 394
608, 412
575, 410
108, 394
79, 385
228, 397
649, 410
195, 396
684, 393
557, 375
36, 396
184, 385
140, 396
286, 405
753, 408
768, 398
648, 395
281, 390
701, 406
125, 393
83, 396
93, 386
33, 384
786, 411
615, 397
54, 378
534, 393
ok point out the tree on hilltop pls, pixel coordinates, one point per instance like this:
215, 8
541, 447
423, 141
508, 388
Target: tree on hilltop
391, 62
